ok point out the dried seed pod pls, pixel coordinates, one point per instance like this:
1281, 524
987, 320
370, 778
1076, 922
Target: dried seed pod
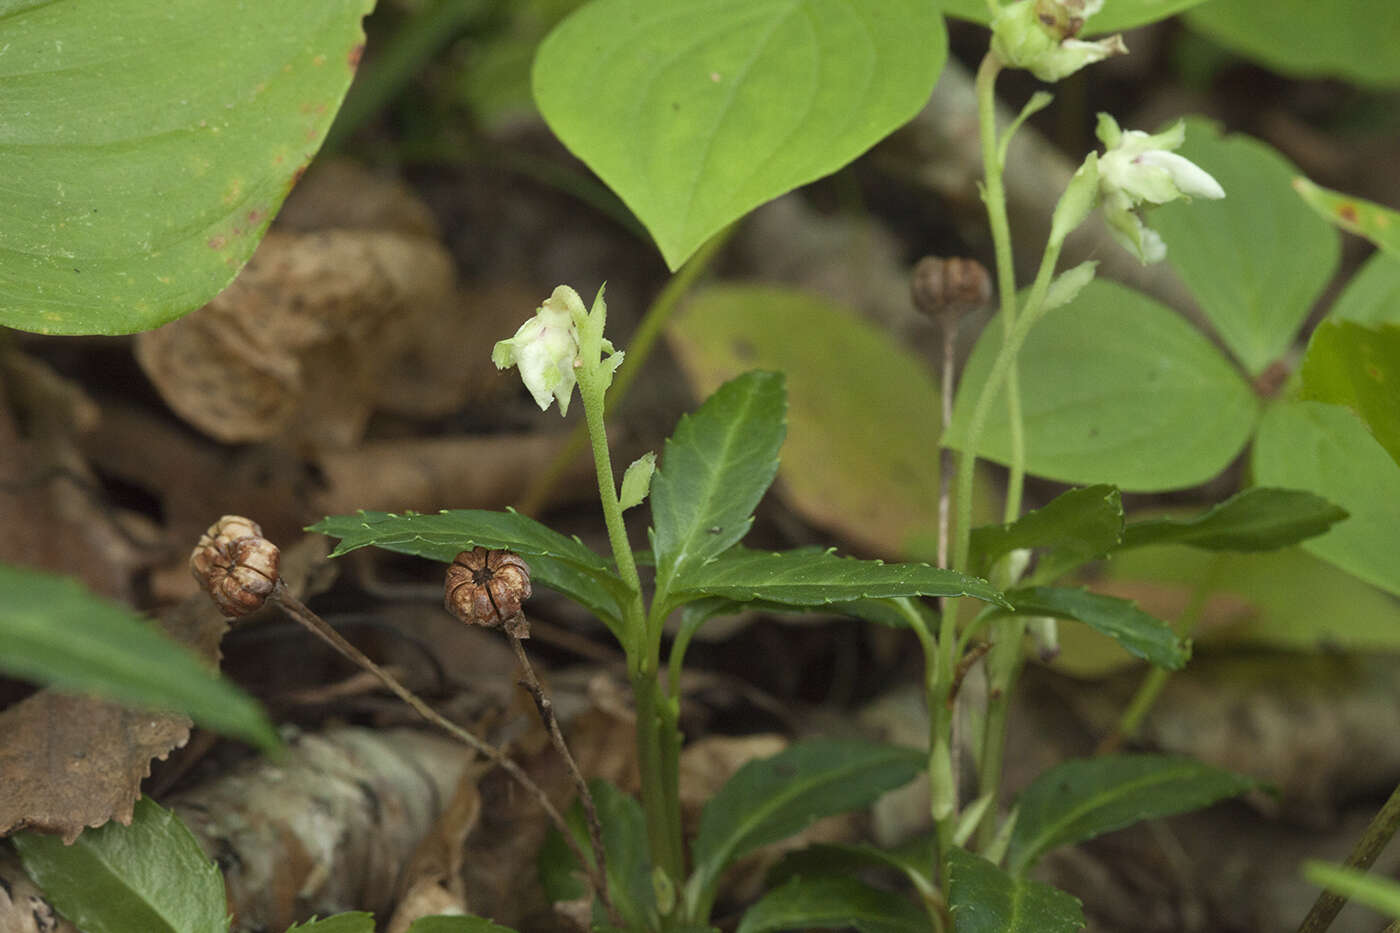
949, 286
488, 588
236, 565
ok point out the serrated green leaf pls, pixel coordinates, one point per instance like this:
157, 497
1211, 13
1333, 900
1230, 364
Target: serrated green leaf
1358, 367
1372, 296
1355, 41
697, 113
55, 631
1377, 223
1082, 799
856, 459
625, 846
768, 800
354, 921
442, 924
1143, 635
1076, 526
715, 468
1257, 519
147, 146
150, 876
1115, 388
1286, 600
820, 578
913, 859
1256, 260
985, 899
1383, 894
831, 904
1118, 15
1326, 450
556, 561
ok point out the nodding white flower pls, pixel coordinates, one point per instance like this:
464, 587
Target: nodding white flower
1041, 37
546, 349
1139, 170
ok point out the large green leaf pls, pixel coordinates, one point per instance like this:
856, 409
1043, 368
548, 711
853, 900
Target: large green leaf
1375, 222
833, 904
1358, 367
1326, 449
1076, 526
1081, 799
150, 876
1120, 14
1115, 389
147, 146
1257, 519
985, 899
856, 460
355, 921
716, 466
768, 800
1372, 296
1355, 41
697, 113
1381, 893
819, 578
56, 632
1255, 260
557, 561
914, 859
1141, 634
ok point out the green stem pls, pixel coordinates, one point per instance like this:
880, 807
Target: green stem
639, 348
1003, 666
994, 195
1156, 678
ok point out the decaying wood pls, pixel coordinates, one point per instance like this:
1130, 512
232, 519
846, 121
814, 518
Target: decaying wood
328, 828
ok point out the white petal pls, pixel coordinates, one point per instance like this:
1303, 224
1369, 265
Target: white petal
1192, 180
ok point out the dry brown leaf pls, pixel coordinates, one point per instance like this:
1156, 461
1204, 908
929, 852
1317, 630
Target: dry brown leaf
296, 346
68, 761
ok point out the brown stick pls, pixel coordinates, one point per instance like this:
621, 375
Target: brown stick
551, 724
323, 630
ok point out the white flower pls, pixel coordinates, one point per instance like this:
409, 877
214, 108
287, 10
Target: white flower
1040, 36
546, 349
1139, 170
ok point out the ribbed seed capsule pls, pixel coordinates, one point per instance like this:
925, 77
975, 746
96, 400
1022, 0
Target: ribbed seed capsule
236, 565
488, 588
951, 286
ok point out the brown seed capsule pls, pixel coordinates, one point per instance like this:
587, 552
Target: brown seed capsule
236, 565
488, 588
949, 286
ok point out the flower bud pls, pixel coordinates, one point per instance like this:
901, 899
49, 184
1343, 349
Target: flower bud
1139, 170
546, 349
1039, 36
236, 565
489, 588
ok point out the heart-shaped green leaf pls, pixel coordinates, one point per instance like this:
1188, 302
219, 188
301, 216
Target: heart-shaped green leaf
1355, 41
1358, 367
1326, 450
1120, 14
1257, 259
1115, 389
695, 113
1373, 295
147, 146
